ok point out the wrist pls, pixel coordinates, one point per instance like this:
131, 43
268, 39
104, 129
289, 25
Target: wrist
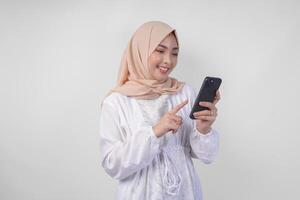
203, 131
156, 130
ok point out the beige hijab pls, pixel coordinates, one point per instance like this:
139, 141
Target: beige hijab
134, 79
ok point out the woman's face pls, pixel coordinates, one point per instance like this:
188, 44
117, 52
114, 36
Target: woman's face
164, 58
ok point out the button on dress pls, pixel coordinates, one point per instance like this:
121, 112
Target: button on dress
149, 167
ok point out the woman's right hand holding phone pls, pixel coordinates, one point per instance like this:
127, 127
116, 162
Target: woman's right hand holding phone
170, 121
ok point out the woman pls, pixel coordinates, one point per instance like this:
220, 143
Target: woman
147, 140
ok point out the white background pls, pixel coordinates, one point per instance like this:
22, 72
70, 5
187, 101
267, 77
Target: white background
59, 58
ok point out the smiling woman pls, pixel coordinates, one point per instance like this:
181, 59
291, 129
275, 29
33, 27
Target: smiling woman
164, 58
148, 59
147, 139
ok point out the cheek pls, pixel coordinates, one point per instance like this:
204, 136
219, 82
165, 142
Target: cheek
174, 61
154, 61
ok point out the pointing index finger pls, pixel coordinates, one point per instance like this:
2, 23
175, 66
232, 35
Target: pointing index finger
179, 106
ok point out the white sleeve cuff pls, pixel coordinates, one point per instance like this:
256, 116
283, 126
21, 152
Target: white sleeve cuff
204, 135
155, 139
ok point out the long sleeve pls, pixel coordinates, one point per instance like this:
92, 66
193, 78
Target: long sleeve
123, 152
203, 146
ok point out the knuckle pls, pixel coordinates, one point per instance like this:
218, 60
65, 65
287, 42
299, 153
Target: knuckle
207, 112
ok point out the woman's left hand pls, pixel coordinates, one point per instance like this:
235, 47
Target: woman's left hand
205, 118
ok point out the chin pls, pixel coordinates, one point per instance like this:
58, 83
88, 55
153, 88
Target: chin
160, 78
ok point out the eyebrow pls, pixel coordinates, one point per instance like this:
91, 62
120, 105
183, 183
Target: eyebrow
167, 47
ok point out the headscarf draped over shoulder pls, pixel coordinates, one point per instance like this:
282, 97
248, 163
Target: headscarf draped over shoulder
134, 78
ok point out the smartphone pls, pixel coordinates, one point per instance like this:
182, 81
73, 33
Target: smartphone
207, 92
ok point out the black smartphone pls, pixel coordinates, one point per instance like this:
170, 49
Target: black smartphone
207, 92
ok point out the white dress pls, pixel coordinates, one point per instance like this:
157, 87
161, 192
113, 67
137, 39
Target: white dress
147, 167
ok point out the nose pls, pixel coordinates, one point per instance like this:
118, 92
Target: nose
167, 59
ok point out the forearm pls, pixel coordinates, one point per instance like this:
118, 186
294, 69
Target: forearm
123, 159
204, 146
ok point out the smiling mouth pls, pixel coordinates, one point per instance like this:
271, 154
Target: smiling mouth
163, 70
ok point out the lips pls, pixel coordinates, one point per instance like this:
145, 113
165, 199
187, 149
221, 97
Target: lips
163, 69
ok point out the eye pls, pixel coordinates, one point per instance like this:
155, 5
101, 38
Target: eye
175, 53
160, 51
